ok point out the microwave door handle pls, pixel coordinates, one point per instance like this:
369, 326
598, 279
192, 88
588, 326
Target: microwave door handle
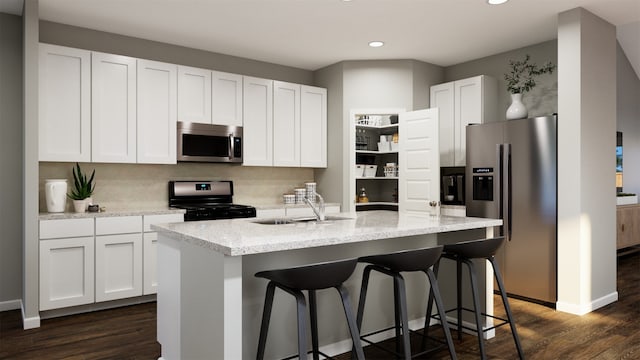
231, 147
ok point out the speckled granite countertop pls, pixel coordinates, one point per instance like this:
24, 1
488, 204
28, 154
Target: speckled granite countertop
245, 236
109, 213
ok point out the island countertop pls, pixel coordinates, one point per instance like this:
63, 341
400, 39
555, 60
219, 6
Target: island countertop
246, 236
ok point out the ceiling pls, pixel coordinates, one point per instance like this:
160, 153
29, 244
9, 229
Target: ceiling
311, 34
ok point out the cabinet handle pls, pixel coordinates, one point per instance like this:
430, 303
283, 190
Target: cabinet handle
622, 227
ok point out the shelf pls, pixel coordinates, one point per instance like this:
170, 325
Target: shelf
375, 152
371, 203
377, 178
392, 126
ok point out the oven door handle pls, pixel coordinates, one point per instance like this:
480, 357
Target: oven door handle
231, 146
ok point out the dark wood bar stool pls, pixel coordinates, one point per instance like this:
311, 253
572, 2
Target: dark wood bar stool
464, 253
392, 265
311, 278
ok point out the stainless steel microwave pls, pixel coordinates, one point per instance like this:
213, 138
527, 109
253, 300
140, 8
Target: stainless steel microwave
209, 143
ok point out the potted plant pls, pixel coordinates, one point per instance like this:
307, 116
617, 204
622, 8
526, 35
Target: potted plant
82, 188
520, 79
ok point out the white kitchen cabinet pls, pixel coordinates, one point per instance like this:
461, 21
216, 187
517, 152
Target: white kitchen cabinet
64, 117
286, 124
226, 98
194, 95
113, 108
118, 253
150, 250
258, 122
118, 266
157, 114
66, 268
460, 103
313, 127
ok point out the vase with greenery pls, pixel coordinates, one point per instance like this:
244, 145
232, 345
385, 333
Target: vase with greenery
520, 79
82, 188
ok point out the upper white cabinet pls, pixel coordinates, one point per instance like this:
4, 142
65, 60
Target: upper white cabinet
157, 116
226, 98
258, 121
113, 108
286, 124
64, 101
313, 126
460, 103
194, 95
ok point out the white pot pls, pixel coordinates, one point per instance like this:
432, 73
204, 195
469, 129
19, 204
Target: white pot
517, 110
80, 206
55, 193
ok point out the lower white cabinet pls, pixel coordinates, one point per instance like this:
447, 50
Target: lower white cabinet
89, 260
118, 266
150, 262
66, 272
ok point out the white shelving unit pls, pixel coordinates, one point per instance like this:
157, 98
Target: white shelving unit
366, 128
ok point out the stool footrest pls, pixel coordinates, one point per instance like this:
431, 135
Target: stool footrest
309, 352
503, 320
378, 346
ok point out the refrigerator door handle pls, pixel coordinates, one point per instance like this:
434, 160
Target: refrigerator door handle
507, 194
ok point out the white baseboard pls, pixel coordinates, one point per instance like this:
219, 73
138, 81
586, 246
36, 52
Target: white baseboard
10, 305
29, 323
581, 309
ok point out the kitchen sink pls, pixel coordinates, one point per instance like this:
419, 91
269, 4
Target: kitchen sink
284, 221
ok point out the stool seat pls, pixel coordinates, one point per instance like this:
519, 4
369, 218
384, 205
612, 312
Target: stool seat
406, 260
312, 277
475, 249
392, 264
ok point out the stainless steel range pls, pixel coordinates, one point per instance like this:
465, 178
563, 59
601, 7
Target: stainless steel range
207, 200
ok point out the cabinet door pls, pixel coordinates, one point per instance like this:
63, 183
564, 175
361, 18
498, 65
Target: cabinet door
468, 110
66, 272
419, 161
286, 124
113, 108
64, 104
313, 127
226, 99
442, 97
150, 263
258, 122
194, 95
118, 266
628, 229
157, 103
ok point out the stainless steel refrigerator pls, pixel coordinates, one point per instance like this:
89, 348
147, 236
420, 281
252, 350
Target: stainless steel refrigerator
511, 174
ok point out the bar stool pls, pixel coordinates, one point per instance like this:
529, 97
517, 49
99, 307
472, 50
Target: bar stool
464, 252
392, 265
311, 278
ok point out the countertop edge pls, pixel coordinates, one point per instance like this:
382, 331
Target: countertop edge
110, 213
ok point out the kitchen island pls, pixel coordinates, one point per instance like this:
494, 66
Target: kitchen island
210, 304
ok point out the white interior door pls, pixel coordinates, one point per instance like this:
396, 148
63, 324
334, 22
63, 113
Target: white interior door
419, 160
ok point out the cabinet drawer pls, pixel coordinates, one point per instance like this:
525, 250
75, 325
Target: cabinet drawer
118, 225
65, 228
161, 219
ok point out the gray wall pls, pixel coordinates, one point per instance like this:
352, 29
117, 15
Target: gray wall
628, 100
72, 36
10, 159
541, 100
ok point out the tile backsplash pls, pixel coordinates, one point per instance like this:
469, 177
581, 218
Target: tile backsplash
140, 186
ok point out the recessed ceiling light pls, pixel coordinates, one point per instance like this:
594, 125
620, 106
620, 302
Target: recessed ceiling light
376, 44
496, 2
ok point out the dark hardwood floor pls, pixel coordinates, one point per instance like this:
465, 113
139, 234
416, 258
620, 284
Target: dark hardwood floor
612, 332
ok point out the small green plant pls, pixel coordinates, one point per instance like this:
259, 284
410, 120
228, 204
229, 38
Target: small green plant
520, 78
83, 188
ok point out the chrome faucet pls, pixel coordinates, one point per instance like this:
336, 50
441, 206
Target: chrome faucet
319, 209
